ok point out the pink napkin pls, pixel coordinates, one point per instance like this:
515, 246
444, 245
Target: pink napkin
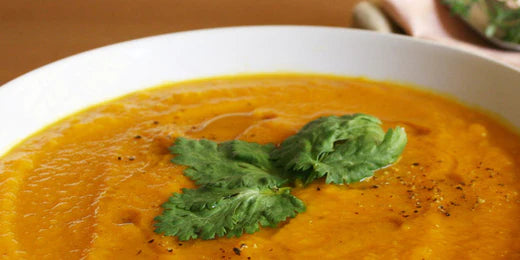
429, 19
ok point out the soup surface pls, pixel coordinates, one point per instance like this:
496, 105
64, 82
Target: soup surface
90, 185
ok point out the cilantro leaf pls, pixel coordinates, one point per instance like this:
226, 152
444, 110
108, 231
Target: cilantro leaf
229, 164
210, 212
344, 149
303, 150
240, 191
243, 186
358, 159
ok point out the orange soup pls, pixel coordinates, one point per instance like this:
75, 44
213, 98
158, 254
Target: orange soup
90, 185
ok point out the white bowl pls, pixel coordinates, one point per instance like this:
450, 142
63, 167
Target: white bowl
49, 93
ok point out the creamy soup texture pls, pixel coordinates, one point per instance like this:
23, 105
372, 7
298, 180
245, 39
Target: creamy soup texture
90, 185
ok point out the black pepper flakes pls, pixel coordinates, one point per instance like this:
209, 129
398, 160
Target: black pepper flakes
150, 241
415, 164
318, 189
180, 244
155, 122
119, 158
139, 252
170, 250
236, 251
131, 158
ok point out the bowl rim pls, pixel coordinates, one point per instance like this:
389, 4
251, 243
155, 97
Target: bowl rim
376, 39
13, 82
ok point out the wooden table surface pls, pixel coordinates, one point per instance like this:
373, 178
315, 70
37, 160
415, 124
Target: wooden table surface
36, 32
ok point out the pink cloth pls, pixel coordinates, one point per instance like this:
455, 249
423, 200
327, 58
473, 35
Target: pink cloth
429, 19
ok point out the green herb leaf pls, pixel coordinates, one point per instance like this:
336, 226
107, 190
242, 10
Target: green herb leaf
229, 164
243, 186
239, 191
211, 212
357, 159
345, 149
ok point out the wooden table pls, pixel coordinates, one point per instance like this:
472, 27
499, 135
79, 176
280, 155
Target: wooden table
36, 32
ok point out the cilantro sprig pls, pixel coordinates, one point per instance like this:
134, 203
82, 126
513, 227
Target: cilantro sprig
229, 164
244, 186
345, 149
210, 212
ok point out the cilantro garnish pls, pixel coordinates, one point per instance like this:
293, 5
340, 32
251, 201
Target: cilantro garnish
229, 164
244, 186
210, 212
345, 149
